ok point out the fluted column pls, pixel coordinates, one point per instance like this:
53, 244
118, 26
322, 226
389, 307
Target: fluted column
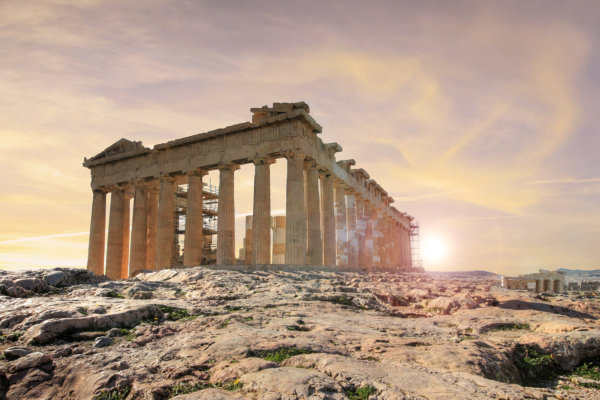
315, 240
114, 252
95, 261
341, 233
351, 227
295, 231
126, 225
408, 249
247, 258
361, 226
377, 237
327, 210
139, 229
226, 215
193, 242
278, 240
152, 213
397, 244
165, 227
261, 212
369, 212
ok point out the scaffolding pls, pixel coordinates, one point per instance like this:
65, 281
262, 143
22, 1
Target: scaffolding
210, 205
415, 249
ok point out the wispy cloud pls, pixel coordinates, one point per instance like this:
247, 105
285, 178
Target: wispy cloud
33, 239
564, 181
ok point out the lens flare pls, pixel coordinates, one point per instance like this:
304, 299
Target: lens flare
433, 250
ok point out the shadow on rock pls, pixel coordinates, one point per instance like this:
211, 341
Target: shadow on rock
527, 305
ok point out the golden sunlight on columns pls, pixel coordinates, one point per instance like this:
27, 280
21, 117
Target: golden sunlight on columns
295, 232
226, 215
165, 227
95, 261
139, 228
340, 225
361, 225
408, 249
246, 258
114, 252
152, 213
351, 227
402, 240
278, 240
315, 240
126, 222
193, 241
395, 244
261, 213
368, 236
327, 211
377, 237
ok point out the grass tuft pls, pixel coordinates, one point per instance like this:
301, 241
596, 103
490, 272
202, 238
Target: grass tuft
278, 355
361, 393
114, 394
511, 327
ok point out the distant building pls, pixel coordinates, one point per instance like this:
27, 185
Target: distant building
543, 281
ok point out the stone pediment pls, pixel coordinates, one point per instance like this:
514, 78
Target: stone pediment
121, 146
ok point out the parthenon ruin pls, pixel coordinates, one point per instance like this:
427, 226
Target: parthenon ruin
336, 215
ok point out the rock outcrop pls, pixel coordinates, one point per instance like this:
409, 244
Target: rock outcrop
201, 333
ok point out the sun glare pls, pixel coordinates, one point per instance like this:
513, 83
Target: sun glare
433, 250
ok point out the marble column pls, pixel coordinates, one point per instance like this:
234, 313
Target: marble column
95, 261
194, 222
327, 210
114, 252
261, 212
377, 238
369, 237
408, 249
278, 240
126, 222
247, 258
314, 238
361, 227
226, 215
152, 212
351, 228
340, 226
295, 231
139, 228
165, 227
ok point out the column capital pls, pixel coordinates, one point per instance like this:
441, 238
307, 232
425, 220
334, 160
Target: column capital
100, 190
117, 187
296, 153
263, 160
228, 167
197, 172
167, 178
310, 163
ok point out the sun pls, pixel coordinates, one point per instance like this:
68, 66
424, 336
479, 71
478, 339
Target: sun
433, 250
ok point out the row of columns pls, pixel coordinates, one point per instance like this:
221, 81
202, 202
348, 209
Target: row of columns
330, 226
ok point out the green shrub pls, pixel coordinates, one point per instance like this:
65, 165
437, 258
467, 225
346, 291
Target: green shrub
114, 394
361, 393
278, 355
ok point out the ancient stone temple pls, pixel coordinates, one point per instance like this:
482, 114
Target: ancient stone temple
335, 214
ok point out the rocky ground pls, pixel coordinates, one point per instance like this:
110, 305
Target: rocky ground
202, 333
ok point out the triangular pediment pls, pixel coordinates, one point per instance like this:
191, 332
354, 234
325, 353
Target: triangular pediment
119, 147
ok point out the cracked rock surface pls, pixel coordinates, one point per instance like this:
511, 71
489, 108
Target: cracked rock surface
205, 333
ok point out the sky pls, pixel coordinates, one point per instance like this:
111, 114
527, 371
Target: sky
480, 118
